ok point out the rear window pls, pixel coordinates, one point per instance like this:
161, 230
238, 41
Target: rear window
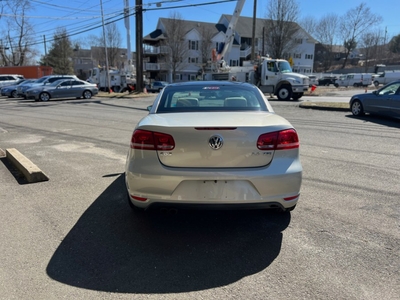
210, 98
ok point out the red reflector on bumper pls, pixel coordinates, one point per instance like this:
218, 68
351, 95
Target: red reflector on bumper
138, 198
291, 198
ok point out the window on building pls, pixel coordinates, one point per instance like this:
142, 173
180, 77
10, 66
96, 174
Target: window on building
309, 56
193, 60
299, 41
194, 45
297, 55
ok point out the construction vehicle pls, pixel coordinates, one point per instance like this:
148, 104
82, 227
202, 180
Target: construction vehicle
120, 80
272, 76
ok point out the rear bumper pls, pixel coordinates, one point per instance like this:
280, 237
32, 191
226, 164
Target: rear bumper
227, 188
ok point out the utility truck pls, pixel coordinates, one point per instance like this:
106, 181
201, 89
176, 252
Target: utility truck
273, 76
120, 80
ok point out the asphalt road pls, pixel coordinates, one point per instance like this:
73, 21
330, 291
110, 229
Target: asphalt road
75, 237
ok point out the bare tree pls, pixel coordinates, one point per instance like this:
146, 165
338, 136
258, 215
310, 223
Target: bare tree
113, 40
353, 24
16, 34
369, 42
281, 26
205, 45
326, 33
176, 43
309, 24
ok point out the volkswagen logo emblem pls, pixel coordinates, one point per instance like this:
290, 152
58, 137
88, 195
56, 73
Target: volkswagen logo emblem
215, 142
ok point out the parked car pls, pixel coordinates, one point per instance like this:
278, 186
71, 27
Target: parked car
214, 144
327, 80
11, 90
21, 91
384, 101
156, 86
9, 79
62, 88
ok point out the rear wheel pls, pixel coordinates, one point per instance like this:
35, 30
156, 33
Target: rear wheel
14, 94
87, 94
376, 83
44, 96
284, 92
357, 108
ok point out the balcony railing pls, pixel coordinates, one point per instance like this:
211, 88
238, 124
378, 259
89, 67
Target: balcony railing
155, 50
246, 52
155, 66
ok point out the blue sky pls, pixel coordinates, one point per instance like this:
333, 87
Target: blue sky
83, 17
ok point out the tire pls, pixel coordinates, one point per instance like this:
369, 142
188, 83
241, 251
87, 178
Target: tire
284, 92
357, 108
336, 85
14, 94
44, 96
297, 96
355, 85
87, 94
376, 83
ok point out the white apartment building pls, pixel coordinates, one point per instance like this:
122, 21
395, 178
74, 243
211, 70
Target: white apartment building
156, 64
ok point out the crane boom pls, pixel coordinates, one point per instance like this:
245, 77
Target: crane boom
230, 31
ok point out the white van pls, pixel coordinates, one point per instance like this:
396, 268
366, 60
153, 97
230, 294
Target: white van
386, 77
354, 79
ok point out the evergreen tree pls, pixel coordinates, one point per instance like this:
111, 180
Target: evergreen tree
60, 54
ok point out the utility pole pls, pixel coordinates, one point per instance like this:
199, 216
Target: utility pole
139, 45
253, 34
128, 31
45, 50
105, 47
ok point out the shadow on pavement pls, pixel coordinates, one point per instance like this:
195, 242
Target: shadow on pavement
112, 249
386, 121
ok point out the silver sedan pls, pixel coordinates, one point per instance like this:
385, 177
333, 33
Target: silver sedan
213, 145
63, 88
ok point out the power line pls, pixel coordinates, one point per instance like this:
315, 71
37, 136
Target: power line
111, 19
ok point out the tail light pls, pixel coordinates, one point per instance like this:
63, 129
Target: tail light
278, 140
149, 140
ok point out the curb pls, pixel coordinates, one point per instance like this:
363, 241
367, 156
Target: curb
333, 106
30, 171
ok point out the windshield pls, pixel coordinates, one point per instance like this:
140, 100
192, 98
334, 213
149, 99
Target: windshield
284, 67
40, 80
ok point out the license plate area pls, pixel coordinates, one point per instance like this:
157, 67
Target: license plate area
215, 190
